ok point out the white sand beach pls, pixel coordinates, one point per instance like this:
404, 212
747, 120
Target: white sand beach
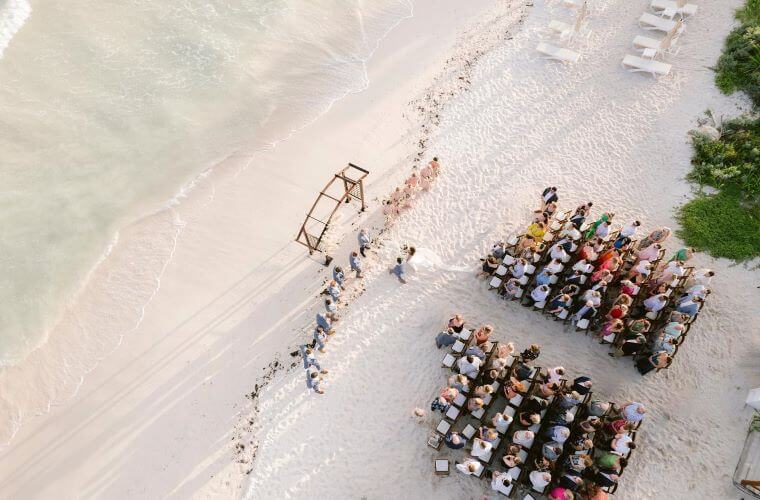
202, 399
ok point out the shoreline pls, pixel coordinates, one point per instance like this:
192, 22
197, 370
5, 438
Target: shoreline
193, 219
143, 214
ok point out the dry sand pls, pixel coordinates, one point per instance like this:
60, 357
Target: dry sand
167, 414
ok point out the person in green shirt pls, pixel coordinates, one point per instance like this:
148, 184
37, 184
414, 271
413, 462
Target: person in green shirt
592, 229
611, 462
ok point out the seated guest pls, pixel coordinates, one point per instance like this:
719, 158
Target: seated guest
460, 383
610, 329
482, 391
664, 343
579, 462
593, 296
489, 266
627, 287
575, 279
549, 389
501, 482
531, 353
582, 385
559, 303
518, 268
656, 303
598, 408
475, 351
454, 441
586, 311
491, 375
555, 266
523, 438
673, 269
674, 329
538, 295
604, 479
510, 288
700, 277
470, 467
700, 291
558, 253
511, 458
539, 480
570, 289
499, 250
570, 481
622, 444
565, 418
469, 366
457, 323
657, 360
603, 229
551, 450
590, 424
544, 277
527, 419
501, 421
601, 275
483, 333
618, 311
570, 400
558, 433
611, 462
641, 325
443, 401
631, 345
489, 435
446, 338
513, 387
536, 404
555, 374
588, 252
689, 306
536, 230
649, 253
474, 404
581, 444
570, 232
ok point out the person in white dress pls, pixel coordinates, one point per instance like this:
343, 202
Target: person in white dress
470, 467
481, 448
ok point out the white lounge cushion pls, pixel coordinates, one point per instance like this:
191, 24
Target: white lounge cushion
558, 53
688, 9
651, 22
635, 63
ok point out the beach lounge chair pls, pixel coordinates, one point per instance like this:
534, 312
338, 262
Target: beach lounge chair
649, 21
637, 64
667, 6
642, 43
558, 53
563, 29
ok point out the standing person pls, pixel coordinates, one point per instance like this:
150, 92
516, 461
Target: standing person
313, 380
331, 310
435, 166
364, 241
334, 290
320, 337
339, 276
399, 270
549, 195
310, 360
355, 263
324, 322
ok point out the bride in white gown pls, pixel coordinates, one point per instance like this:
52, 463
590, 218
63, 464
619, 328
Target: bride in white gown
421, 259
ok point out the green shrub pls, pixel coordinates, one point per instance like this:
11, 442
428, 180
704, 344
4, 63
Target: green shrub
739, 66
731, 161
721, 225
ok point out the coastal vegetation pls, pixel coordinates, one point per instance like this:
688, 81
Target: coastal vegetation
726, 221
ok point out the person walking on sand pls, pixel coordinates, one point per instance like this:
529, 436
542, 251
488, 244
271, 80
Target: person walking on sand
399, 270
334, 290
323, 321
320, 337
364, 241
313, 380
310, 360
339, 276
331, 310
355, 263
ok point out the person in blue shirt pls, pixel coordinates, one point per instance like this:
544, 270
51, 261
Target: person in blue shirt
364, 241
320, 337
339, 276
356, 263
544, 277
313, 380
398, 270
323, 322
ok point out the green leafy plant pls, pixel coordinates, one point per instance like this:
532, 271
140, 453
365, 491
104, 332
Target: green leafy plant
739, 66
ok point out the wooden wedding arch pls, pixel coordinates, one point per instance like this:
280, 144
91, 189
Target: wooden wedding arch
345, 185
